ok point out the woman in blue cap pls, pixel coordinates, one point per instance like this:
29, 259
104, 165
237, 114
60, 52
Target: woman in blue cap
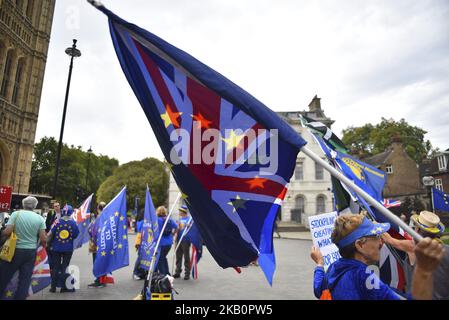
62, 235
352, 277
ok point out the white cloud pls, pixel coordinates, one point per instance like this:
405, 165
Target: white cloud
365, 59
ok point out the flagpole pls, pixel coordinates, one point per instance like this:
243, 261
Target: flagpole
384, 211
153, 258
178, 243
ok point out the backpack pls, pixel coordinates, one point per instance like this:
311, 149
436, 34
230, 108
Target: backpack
326, 293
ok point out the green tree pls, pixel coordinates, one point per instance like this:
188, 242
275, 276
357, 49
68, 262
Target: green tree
370, 140
73, 183
135, 176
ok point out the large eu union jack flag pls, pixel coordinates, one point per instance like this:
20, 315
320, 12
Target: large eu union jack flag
233, 200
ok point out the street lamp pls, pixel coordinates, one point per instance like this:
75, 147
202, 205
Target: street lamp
89, 152
429, 181
73, 52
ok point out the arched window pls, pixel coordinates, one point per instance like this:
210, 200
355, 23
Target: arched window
296, 213
17, 81
29, 10
320, 204
6, 74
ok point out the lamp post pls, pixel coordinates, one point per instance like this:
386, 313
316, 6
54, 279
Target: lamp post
73, 52
89, 152
429, 181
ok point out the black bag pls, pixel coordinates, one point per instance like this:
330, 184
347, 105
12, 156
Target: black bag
160, 284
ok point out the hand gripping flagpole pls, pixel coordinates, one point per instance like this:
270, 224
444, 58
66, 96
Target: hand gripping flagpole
184, 232
153, 258
384, 211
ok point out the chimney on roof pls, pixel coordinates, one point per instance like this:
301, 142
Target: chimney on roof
315, 104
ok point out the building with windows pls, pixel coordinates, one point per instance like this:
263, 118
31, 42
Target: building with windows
438, 168
402, 171
25, 27
309, 192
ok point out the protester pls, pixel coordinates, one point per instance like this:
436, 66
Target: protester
183, 247
138, 272
166, 239
359, 242
61, 236
427, 224
52, 218
93, 231
28, 226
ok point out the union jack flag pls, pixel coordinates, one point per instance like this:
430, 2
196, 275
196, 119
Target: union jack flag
82, 217
233, 200
39, 280
390, 203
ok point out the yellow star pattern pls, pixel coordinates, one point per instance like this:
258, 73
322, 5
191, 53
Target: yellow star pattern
121, 218
120, 246
125, 237
103, 253
233, 140
112, 252
34, 283
124, 227
116, 214
9, 294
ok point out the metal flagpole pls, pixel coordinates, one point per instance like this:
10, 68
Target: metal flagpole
387, 213
153, 258
186, 229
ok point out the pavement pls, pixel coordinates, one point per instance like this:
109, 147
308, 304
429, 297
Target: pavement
292, 280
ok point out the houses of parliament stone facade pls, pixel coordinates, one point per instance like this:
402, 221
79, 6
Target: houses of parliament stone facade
25, 27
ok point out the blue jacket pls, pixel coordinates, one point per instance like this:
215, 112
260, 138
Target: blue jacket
64, 232
347, 279
167, 236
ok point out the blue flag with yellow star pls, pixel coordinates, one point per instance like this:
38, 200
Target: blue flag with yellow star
150, 233
112, 237
440, 200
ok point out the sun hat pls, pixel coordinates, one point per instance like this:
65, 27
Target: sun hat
184, 209
429, 222
365, 229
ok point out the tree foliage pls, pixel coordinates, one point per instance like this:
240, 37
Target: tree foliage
135, 176
73, 183
370, 140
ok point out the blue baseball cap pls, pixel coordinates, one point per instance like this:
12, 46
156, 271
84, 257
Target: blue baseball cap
365, 229
67, 210
184, 209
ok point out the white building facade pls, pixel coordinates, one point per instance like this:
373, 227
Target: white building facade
309, 191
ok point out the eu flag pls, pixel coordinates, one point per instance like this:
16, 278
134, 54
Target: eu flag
234, 176
112, 237
150, 233
440, 200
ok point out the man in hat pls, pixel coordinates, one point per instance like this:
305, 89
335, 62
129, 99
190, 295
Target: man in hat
427, 224
184, 247
28, 226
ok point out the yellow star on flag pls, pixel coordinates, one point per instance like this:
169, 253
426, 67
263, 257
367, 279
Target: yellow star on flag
233, 140
124, 227
9, 294
170, 117
184, 196
120, 246
103, 253
116, 214
125, 237
112, 252
34, 283
121, 218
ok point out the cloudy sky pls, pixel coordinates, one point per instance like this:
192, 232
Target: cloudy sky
365, 59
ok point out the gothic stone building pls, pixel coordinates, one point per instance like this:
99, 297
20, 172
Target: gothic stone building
309, 191
25, 27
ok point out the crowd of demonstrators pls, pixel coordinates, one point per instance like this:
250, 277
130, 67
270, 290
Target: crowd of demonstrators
183, 248
166, 239
60, 242
29, 228
93, 232
359, 242
427, 224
